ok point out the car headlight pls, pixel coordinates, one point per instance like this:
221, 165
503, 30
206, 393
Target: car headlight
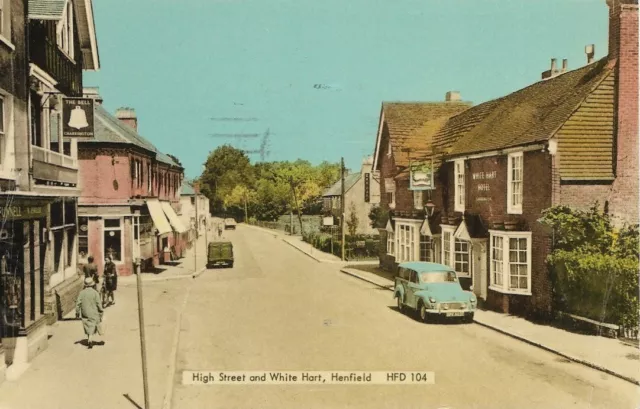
473, 300
432, 300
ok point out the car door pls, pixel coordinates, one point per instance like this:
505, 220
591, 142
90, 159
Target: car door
411, 288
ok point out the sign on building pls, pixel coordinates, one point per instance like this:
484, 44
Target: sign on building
327, 221
421, 175
367, 184
77, 118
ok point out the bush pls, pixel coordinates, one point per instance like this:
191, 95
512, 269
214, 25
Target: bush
594, 266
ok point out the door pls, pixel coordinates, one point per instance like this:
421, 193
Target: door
480, 275
412, 287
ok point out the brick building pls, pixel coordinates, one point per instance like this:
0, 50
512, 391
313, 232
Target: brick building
44, 48
130, 195
569, 139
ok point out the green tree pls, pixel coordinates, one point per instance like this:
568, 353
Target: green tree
594, 266
352, 221
225, 168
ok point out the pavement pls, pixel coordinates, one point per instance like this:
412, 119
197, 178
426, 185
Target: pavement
607, 355
277, 310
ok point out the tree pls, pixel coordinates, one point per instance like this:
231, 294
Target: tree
225, 168
594, 266
352, 221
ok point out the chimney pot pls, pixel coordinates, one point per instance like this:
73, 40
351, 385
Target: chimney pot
554, 69
452, 96
565, 64
590, 50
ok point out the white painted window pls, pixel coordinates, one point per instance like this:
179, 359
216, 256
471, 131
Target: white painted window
5, 21
426, 249
64, 31
514, 183
113, 240
462, 253
511, 262
459, 185
390, 243
417, 199
406, 242
447, 238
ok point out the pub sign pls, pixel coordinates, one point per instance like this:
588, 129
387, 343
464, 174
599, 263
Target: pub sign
77, 118
421, 175
367, 187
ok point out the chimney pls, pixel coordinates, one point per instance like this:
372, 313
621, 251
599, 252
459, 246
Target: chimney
590, 50
452, 96
128, 117
623, 47
196, 187
553, 71
92, 92
565, 64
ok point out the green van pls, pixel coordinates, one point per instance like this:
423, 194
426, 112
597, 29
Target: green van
220, 253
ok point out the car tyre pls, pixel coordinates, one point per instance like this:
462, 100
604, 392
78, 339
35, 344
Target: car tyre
422, 312
469, 318
400, 305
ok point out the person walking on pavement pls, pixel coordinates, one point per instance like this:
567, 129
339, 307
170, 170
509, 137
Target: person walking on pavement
89, 308
110, 280
219, 230
91, 270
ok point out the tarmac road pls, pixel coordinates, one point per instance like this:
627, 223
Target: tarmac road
278, 310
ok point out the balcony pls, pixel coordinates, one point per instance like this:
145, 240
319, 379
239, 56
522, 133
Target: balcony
50, 167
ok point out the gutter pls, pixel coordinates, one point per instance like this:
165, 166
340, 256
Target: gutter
497, 152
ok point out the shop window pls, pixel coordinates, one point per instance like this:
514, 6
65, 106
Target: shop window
71, 241
511, 262
83, 237
113, 240
58, 239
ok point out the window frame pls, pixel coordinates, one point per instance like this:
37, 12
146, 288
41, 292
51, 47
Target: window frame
5, 24
64, 32
81, 235
513, 208
459, 185
427, 249
391, 240
106, 229
507, 236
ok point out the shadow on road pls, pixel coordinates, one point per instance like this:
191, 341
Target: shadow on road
133, 402
433, 321
83, 342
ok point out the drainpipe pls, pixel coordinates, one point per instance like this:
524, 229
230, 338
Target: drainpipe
27, 28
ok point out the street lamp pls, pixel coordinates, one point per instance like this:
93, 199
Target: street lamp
429, 208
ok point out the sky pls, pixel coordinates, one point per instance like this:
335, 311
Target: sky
314, 73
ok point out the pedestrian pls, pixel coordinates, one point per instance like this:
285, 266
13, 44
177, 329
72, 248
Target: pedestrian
91, 270
110, 279
219, 230
89, 308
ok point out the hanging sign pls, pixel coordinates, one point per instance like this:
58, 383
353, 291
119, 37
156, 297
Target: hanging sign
367, 191
327, 221
77, 118
421, 176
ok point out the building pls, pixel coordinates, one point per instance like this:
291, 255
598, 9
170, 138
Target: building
188, 206
129, 202
362, 193
44, 48
570, 139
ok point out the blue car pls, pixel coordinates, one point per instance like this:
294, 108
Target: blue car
434, 291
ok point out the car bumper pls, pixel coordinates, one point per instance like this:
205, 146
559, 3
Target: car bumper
451, 313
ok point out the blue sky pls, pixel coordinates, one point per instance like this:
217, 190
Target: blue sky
181, 63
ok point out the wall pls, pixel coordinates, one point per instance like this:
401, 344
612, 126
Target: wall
103, 179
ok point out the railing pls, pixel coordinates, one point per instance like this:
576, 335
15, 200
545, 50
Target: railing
53, 158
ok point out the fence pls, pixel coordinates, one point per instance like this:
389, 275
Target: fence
357, 248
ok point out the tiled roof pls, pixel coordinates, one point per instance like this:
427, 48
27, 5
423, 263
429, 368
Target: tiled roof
349, 181
46, 9
109, 129
532, 114
187, 189
403, 119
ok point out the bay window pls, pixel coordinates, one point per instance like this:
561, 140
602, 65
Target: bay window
406, 242
456, 253
514, 183
459, 185
447, 235
510, 262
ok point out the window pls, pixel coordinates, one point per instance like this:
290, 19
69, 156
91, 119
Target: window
64, 31
148, 177
446, 247
390, 243
83, 237
58, 238
462, 256
459, 185
417, 199
514, 183
511, 262
71, 246
113, 239
3, 125
5, 19
426, 249
193, 200
36, 120
406, 245
390, 189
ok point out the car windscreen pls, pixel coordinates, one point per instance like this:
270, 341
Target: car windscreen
438, 277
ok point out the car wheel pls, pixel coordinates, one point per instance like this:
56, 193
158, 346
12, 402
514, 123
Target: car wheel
424, 315
469, 318
400, 305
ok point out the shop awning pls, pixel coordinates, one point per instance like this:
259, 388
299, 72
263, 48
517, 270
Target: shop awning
157, 214
173, 217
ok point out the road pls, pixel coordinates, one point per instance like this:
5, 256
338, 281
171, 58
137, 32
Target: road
277, 309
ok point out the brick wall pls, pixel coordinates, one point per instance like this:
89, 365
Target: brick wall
103, 178
624, 45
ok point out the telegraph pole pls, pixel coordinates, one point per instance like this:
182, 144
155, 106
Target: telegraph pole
342, 206
197, 224
143, 346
